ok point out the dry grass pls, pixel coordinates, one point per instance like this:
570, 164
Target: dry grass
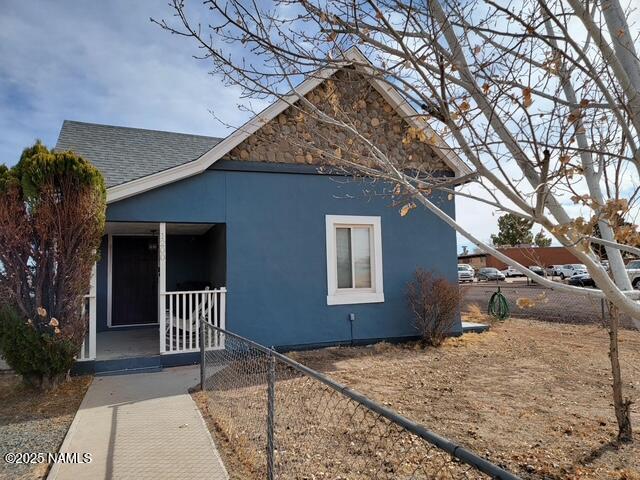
319, 433
19, 402
531, 396
475, 314
239, 461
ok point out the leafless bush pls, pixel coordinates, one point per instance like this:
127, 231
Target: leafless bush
434, 302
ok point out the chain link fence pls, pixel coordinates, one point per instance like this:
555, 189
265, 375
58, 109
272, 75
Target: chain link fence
540, 303
283, 420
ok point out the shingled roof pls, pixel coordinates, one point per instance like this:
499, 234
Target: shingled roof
124, 154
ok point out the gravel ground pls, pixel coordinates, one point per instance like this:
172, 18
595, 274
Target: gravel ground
33, 421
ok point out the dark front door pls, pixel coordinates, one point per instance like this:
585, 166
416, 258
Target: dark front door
134, 280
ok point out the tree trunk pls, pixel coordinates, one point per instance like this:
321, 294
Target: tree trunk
618, 26
621, 405
44, 382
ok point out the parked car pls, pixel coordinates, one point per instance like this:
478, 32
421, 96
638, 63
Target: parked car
633, 270
490, 273
554, 270
567, 271
582, 281
465, 274
538, 270
511, 272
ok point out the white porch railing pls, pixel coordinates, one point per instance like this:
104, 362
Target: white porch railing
88, 349
183, 312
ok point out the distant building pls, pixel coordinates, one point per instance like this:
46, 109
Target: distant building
476, 260
526, 255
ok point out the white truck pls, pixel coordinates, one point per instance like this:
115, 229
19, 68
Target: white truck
465, 273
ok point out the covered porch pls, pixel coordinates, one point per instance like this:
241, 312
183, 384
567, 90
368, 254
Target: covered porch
153, 285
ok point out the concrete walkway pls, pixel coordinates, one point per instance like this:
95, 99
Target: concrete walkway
141, 426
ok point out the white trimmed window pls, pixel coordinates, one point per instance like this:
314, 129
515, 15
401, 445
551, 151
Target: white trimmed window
354, 260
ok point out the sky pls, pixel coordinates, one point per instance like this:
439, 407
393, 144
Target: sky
101, 62
105, 62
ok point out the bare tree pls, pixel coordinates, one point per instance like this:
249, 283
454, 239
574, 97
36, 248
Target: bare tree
541, 98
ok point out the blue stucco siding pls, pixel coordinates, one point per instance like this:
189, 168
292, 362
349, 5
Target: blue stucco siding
276, 252
198, 199
277, 278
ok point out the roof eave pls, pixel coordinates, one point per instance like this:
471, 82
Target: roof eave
389, 93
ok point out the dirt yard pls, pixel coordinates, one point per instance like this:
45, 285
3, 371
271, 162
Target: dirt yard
533, 397
35, 422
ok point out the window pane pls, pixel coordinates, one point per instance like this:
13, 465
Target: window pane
343, 251
362, 257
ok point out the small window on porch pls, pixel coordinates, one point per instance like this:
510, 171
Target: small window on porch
354, 260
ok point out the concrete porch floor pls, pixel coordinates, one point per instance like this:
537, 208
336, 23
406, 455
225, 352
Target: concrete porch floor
139, 342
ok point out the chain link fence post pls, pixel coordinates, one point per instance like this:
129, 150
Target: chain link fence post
202, 356
271, 411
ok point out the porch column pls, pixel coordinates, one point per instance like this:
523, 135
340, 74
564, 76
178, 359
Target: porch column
92, 314
162, 283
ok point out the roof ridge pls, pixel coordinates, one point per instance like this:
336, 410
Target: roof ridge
122, 127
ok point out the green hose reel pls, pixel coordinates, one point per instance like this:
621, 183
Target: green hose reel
498, 306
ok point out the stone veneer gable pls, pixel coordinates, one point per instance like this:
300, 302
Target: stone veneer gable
295, 137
